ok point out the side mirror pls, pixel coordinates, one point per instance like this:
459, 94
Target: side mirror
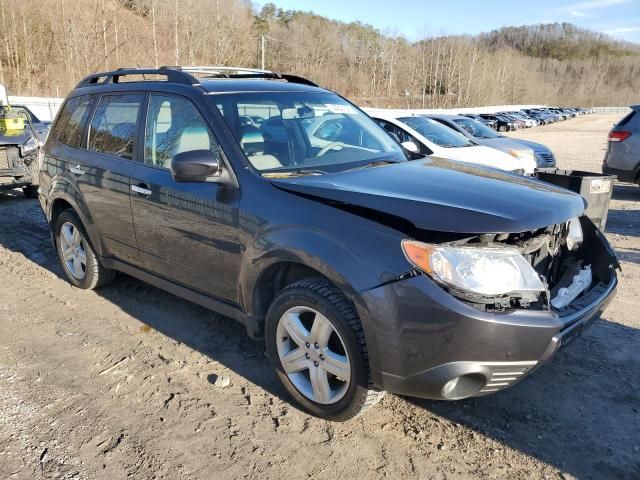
196, 166
411, 146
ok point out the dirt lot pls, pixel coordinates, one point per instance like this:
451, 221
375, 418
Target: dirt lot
121, 382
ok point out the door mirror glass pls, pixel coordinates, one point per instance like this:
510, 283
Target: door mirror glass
411, 146
196, 166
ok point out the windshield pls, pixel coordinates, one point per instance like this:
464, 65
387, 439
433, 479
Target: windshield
475, 128
436, 132
318, 132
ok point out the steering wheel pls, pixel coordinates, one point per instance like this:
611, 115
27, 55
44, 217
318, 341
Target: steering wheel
329, 146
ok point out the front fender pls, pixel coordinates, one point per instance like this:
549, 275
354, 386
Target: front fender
343, 266
311, 248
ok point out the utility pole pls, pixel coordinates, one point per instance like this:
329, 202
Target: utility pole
262, 52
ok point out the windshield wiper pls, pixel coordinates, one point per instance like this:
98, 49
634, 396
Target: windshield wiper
375, 163
299, 172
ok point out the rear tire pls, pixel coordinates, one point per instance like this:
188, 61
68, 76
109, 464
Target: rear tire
30, 191
77, 256
291, 330
502, 128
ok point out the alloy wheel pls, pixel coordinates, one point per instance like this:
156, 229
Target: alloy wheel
73, 251
313, 355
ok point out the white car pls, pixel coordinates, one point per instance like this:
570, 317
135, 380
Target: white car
432, 138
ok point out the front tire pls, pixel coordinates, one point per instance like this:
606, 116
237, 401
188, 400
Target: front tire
502, 128
315, 342
77, 257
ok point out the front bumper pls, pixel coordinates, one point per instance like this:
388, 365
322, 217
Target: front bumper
421, 339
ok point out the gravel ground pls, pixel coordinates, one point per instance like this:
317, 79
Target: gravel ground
130, 381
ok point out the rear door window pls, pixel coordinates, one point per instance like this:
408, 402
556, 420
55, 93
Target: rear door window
72, 119
174, 125
114, 125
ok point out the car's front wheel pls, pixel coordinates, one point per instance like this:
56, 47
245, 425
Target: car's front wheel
316, 344
79, 261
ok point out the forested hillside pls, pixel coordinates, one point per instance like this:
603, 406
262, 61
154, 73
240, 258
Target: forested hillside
46, 46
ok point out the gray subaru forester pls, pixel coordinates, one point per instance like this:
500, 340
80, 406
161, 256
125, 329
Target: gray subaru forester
623, 150
362, 267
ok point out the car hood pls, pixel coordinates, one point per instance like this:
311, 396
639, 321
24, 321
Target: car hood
502, 143
537, 147
439, 195
490, 157
18, 138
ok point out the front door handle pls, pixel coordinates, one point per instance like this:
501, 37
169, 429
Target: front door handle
141, 189
77, 170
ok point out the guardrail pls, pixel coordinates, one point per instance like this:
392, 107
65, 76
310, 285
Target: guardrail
612, 110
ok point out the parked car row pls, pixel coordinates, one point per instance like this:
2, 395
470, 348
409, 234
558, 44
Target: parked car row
526, 118
362, 264
462, 138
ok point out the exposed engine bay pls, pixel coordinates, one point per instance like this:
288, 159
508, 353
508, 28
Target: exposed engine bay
568, 270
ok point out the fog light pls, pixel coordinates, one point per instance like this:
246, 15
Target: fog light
463, 386
450, 386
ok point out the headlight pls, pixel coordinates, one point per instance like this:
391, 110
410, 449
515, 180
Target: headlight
574, 235
481, 270
29, 146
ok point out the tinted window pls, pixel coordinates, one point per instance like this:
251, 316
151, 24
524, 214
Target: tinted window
475, 128
174, 125
401, 136
72, 119
113, 128
436, 133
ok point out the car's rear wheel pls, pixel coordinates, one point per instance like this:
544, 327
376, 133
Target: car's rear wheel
502, 128
77, 257
316, 345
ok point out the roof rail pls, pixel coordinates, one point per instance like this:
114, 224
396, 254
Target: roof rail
186, 75
241, 72
222, 69
173, 74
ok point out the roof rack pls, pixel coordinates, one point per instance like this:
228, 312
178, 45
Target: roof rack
187, 75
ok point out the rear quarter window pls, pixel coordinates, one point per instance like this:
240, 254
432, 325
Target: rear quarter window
72, 120
626, 119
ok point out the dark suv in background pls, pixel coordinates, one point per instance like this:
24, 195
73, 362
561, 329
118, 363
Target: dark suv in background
363, 267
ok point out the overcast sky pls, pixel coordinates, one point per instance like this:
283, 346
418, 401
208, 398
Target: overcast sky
417, 18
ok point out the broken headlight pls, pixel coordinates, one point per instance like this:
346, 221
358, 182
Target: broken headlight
574, 234
481, 270
29, 147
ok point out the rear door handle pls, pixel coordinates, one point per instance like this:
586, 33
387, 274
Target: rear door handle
141, 189
77, 170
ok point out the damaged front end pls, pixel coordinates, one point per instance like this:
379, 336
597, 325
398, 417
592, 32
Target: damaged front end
568, 260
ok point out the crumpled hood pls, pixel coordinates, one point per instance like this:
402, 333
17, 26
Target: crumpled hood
445, 196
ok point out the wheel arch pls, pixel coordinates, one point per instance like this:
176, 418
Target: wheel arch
60, 200
294, 255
